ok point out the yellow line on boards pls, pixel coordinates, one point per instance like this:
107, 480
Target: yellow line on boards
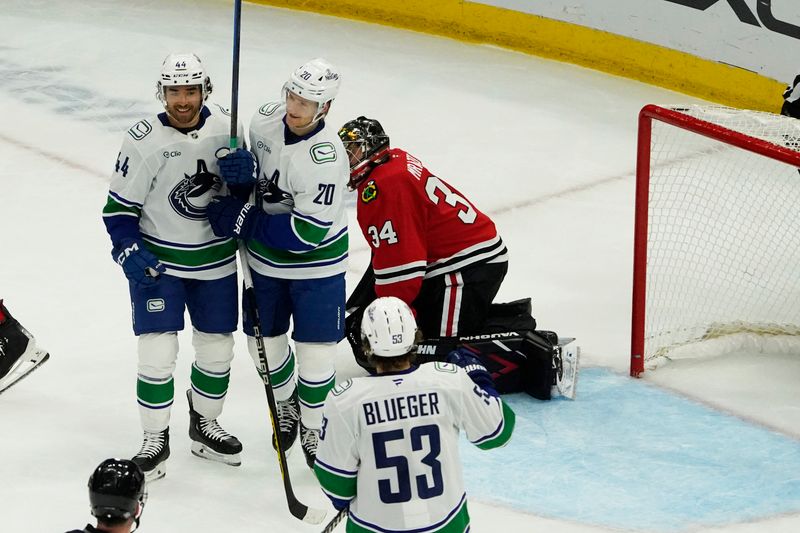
562, 41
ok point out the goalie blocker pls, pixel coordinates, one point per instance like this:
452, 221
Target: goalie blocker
519, 357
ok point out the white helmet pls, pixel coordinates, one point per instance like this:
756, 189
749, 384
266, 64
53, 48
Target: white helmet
389, 327
182, 69
318, 81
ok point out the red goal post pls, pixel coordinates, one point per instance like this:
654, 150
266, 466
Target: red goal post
717, 229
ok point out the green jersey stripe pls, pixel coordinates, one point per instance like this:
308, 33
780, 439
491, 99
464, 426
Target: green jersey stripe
342, 487
195, 257
308, 231
334, 249
113, 207
509, 419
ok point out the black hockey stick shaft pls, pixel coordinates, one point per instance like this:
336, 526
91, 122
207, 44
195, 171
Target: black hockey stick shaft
296, 507
335, 520
237, 31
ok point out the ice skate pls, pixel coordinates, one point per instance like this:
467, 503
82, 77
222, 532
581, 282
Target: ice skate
288, 422
209, 440
566, 361
19, 355
309, 440
152, 458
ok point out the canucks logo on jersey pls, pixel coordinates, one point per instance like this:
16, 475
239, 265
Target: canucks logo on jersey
190, 197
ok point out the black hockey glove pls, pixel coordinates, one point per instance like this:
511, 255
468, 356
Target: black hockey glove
474, 368
140, 265
230, 217
238, 168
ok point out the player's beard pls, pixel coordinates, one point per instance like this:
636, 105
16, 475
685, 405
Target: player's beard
183, 114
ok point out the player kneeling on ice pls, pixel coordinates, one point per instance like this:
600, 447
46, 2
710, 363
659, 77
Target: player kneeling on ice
19, 355
166, 173
433, 249
369, 457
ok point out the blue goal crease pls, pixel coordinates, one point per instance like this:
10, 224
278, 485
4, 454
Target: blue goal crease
626, 454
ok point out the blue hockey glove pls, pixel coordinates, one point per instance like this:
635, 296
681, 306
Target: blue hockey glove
138, 263
474, 368
238, 168
230, 217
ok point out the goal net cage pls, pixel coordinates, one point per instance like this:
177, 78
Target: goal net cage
717, 234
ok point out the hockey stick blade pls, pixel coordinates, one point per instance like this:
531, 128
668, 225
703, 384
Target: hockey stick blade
25, 373
335, 520
305, 513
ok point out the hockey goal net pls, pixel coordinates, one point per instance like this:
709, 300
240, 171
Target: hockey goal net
717, 234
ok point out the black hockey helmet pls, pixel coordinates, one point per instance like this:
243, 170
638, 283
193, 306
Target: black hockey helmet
117, 491
367, 134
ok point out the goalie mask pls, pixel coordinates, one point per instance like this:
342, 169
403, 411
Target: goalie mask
317, 81
388, 327
117, 491
367, 145
182, 69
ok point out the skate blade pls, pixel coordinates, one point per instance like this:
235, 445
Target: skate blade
30, 360
155, 474
201, 450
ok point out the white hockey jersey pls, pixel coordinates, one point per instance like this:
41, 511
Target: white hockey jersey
163, 180
389, 447
305, 179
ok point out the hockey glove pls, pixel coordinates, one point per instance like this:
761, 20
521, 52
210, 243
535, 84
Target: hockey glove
138, 263
238, 168
230, 217
474, 368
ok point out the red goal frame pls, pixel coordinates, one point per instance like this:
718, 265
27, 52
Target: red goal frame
676, 118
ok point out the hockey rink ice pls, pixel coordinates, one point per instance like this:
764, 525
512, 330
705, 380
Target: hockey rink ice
546, 149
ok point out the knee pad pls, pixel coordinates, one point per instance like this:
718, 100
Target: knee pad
157, 354
213, 351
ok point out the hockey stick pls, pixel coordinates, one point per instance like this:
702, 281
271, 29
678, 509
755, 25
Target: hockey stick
296, 507
237, 32
335, 520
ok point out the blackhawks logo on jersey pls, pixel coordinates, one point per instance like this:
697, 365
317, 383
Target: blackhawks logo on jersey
190, 197
370, 192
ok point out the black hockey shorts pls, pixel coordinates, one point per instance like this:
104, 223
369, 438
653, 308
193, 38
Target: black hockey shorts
457, 303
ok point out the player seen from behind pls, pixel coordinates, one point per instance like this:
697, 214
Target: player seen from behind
389, 443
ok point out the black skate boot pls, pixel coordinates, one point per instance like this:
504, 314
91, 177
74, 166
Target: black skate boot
210, 441
19, 355
309, 440
152, 458
288, 422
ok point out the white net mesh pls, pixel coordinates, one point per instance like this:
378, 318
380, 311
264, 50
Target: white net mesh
723, 243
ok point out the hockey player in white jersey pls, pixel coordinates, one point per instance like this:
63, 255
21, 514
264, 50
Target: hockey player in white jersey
389, 443
165, 176
296, 234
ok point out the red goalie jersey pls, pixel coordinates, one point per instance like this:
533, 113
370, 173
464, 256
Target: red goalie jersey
420, 227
